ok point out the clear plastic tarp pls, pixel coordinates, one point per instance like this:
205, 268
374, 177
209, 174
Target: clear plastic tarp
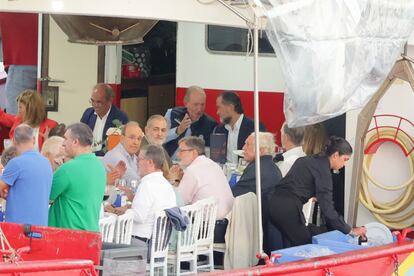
335, 54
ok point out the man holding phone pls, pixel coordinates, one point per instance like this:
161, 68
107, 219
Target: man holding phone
189, 120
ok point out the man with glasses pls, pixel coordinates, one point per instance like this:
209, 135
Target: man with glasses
202, 178
102, 115
126, 152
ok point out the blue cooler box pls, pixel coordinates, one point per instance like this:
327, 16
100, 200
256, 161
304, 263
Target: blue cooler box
297, 253
336, 238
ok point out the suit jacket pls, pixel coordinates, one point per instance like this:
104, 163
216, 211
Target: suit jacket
89, 118
270, 177
204, 126
246, 128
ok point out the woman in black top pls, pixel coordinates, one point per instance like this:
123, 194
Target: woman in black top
310, 176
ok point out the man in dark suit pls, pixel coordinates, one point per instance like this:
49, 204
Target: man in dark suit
189, 120
270, 176
102, 115
235, 125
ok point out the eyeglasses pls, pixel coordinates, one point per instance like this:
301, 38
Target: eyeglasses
140, 158
182, 150
95, 103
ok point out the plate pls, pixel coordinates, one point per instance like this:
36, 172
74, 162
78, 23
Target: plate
378, 234
239, 152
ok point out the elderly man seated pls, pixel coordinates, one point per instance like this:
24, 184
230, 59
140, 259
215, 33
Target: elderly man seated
53, 150
202, 178
125, 153
154, 193
156, 132
270, 173
270, 176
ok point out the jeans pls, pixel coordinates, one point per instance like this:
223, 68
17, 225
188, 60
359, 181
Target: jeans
19, 78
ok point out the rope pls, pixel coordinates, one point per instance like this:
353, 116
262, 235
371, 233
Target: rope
392, 213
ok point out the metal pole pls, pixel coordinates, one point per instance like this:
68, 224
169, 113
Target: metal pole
256, 129
256, 116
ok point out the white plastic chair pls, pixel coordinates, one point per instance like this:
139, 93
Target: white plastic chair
123, 229
159, 244
187, 241
205, 242
307, 210
107, 228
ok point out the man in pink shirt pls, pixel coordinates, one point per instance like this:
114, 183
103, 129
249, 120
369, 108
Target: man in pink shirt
203, 178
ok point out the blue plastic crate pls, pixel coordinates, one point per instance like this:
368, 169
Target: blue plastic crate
296, 253
336, 238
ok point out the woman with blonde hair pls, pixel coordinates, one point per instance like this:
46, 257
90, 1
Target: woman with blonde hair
31, 111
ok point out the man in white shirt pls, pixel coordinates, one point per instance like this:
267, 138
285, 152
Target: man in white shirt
102, 115
202, 178
126, 151
235, 125
292, 140
154, 193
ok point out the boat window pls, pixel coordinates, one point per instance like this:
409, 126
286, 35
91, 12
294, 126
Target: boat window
234, 40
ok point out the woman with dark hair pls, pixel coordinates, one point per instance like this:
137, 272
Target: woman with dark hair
310, 176
31, 111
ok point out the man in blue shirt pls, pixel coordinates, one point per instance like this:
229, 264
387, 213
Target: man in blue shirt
26, 181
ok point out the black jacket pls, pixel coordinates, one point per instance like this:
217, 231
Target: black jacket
310, 176
203, 127
89, 118
270, 176
246, 128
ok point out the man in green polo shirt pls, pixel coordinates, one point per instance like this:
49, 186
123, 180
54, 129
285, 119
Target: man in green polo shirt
78, 185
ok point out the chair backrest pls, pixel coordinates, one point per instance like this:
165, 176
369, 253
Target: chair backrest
208, 221
187, 240
123, 229
307, 210
107, 228
160, 237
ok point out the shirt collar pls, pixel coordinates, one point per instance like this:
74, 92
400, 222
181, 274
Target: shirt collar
236, 125
152, 175
297, 151
106, 115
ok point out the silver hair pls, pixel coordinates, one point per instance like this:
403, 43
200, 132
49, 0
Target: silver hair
154, 153
266, 142
155, 117
81, 132
8, 154
52, 145
192, 90
23, 134
194, 142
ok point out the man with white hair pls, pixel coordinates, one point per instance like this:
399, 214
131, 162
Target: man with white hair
26, 181
53, 150
270, 174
